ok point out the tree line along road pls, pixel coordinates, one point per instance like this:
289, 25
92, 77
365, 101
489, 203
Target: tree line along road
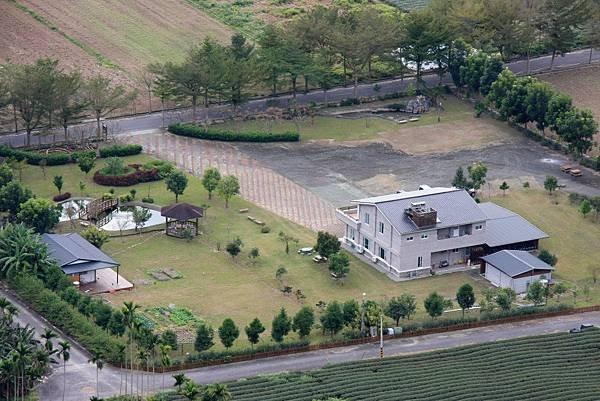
125, 125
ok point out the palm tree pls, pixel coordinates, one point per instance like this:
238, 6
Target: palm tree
128, 310
48, 335
121, 348
97, 360
3, 305
190, 389
22, 356
22, 250
65, 354
217, 392
165, 360
142, 358
180, 378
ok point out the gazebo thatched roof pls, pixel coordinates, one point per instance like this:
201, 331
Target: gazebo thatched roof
182, 211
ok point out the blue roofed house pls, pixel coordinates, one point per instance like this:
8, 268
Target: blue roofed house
431, 230
88, 266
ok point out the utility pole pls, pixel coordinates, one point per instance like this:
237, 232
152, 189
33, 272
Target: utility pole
381, 336
362, 316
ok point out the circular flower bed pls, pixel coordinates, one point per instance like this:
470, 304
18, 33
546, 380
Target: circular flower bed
136, 176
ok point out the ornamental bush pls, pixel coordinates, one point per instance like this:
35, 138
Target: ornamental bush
216, 134
34, 158
137, 176
120, 150
62, 197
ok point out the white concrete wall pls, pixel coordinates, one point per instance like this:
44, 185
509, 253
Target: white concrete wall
87, 277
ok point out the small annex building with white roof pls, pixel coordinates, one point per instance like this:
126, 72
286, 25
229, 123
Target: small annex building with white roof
432, 230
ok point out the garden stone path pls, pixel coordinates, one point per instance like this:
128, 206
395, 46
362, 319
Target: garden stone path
258, 184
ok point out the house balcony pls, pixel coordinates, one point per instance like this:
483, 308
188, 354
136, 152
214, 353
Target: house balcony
349, 216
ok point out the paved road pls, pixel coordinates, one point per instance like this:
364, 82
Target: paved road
81, 376
152, 121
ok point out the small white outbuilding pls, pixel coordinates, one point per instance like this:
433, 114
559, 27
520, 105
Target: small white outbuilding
515, 269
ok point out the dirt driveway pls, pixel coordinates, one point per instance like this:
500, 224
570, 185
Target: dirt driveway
341, 172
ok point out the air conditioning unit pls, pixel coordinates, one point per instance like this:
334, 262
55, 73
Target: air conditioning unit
374, 259
359, 249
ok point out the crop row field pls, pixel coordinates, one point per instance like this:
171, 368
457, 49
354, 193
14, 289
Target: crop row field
552, 367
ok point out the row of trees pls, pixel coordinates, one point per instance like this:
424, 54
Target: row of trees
42, 94
528, 100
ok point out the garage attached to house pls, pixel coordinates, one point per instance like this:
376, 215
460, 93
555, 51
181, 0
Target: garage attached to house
515, 269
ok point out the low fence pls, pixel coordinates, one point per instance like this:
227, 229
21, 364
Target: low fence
366, 340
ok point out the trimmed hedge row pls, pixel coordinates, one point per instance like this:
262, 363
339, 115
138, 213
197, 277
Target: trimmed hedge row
61, 314
120, 150
215, 355
62, 197
195, 131
57, 159
139, 175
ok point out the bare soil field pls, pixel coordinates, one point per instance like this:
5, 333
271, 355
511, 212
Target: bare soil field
444, 137
133, 33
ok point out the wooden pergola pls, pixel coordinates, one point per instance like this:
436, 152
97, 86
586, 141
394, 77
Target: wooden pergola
180, 217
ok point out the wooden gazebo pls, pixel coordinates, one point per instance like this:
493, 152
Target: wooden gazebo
181, 216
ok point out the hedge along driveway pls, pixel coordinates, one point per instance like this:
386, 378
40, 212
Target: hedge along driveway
60, 158
195, 131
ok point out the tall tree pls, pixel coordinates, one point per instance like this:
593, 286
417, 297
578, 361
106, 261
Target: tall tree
254, 330
538, 97
228, 333
176, 182
228, 186
465, 297
281, 326
103, 98
577, 128
162, 87
70, 105
239, 72
271, 56
560, 21
29, 89
210, 180
304, 321
40, 214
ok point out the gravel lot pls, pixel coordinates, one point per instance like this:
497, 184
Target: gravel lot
341, 172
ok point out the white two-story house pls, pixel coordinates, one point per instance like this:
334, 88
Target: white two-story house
417, 233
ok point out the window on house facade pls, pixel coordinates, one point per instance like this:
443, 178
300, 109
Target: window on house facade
420, 261
381, 227
479, 227
424, 236
382, 253
455, 250
366, 243
367, 218
455, 231
351, 233
410, 238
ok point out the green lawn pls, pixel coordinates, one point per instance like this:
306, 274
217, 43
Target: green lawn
215, 286
345, 129
573, 239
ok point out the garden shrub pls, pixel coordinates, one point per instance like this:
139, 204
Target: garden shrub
137, 176
120, 150
34, 158
62, 197
82, 153
195, 131
348, 102
524, 311
164, 167
65, 316
400, 106
265, 229
148, 199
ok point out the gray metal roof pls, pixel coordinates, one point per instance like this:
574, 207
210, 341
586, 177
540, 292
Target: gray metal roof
513, 263
506, 227
454, 207
76, 255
